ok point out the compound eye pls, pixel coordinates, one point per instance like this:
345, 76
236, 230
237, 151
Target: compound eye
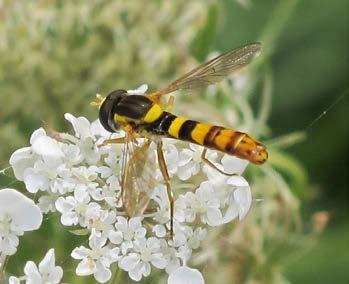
116, 95
106, 111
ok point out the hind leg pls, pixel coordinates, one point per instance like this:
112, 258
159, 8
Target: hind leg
212, 165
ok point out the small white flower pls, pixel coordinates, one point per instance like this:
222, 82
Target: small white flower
240, 202
189, 161
47, 272
184, 253
195, 237
169, 254
81, 125
72, 155
187, 239
86, 141
112, 161
96, 260
110, 193
40, 175
171, 157
160, 197
103, 221
74, 209
18, 214
47, 147
47, 203
215, 178
126, 232
147, 251
162, 215
139, 91
44, 152
160, 230
185, 275
203, 203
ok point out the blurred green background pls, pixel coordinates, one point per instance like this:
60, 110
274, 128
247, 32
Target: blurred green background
55, 55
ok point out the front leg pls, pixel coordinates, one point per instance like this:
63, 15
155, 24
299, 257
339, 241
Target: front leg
120, 140
130, 135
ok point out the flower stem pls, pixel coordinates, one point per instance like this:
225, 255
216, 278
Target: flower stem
2, 264
117, 275
287, 140
264, 110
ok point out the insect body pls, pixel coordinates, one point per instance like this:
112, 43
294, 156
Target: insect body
145, 116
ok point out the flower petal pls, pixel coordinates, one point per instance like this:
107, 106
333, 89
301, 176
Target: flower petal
81, 126
129, 262
115, 237
80, 252
102, 273
20, 160
158, 261
48, 147
237, 181
233, 164
32, 273
14, 280
243, 198
185, 275
25, 214
214, 217
86, 267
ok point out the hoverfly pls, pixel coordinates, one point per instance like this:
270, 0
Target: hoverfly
145, 116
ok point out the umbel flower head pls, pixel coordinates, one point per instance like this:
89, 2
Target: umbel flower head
76, 176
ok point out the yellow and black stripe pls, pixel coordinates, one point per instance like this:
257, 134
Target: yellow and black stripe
164, 123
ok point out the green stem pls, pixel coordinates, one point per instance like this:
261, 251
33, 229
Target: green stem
265, 103
287, 140
117, 275
2, 265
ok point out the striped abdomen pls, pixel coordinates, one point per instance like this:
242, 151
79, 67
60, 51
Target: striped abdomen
215, 137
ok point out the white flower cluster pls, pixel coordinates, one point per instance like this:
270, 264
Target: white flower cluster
71, 174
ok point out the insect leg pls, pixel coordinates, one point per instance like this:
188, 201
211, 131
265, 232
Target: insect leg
166, 177
212, 165
120, 140
155, 97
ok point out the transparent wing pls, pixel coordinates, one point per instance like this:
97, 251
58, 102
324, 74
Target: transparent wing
138, 177
215, 70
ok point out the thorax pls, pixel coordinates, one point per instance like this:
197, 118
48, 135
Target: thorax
136, 109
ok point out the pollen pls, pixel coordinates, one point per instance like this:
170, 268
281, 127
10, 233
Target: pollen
98, 102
